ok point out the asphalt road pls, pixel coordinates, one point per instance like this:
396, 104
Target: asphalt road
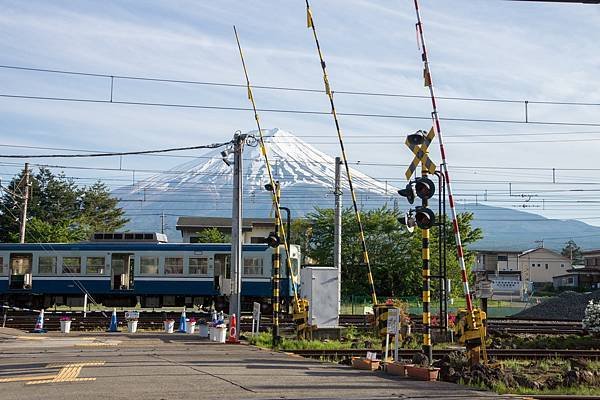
162, 366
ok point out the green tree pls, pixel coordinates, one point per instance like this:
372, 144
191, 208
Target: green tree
573, 252
395, 254
212, 235
58, 210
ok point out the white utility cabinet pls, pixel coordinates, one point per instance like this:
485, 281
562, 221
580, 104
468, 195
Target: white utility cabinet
320, 286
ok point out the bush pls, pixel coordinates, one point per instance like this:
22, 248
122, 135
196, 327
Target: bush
591, 321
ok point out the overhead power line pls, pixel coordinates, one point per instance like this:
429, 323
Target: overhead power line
112, 154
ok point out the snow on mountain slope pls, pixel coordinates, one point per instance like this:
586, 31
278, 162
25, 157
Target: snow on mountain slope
203, 186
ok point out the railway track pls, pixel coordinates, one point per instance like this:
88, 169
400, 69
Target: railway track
25, 320
438, 353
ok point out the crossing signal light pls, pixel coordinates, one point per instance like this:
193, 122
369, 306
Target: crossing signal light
408, 220
424, 187
272, 240
424, 217
408, 192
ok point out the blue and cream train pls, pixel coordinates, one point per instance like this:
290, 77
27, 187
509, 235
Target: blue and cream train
140, 269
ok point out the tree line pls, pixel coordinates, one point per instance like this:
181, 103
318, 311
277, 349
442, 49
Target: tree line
59, 210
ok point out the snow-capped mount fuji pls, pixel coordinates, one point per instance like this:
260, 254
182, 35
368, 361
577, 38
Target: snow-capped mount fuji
203, 186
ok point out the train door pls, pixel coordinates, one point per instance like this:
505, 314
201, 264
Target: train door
20, 271
221, 270
121, 267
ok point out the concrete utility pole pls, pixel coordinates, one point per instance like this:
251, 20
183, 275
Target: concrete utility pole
236, 230
162, 222
337, 231
25, 203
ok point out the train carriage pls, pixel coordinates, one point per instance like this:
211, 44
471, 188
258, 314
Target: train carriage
126, 272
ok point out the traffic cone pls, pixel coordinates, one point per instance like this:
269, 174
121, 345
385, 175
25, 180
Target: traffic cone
232, 339
39, 323
113, 322
182, 322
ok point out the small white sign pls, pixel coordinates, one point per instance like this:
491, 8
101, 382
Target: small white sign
256, 311
371, 356
393, 321
132, 314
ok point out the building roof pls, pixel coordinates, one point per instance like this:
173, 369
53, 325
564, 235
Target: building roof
543, 248
586, 270
219, 222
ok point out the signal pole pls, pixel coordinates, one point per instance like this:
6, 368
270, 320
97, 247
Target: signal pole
337, 231
276, 268
427, 349
25, 203
236, 230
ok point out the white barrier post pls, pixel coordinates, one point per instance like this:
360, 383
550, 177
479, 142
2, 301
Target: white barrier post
85, 298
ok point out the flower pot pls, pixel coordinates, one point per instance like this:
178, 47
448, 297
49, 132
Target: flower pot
422, 373
190, 327
203, 330
132, 326
169, 326
397, 368
220, 334
65, 326
363, 363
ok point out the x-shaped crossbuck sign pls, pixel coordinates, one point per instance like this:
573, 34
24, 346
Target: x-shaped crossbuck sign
421, 156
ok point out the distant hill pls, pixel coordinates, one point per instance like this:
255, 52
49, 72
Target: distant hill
509, 229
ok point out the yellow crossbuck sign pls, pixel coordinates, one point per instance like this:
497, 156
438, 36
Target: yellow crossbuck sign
421, 156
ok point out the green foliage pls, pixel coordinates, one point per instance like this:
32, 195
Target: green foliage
572, 252
212, 235
395, 254
58, 210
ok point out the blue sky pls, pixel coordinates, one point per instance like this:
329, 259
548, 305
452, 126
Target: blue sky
478, 49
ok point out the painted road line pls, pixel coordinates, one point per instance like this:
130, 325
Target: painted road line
26, 378
67, 373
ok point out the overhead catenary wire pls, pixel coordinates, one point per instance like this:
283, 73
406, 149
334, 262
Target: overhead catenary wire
311, 25
292, 89
296, 111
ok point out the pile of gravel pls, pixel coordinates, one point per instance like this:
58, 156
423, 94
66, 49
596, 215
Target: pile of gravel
568, 306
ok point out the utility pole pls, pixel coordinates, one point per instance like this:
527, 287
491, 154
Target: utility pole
236, 230
162, 222
25, 203
337, 232
276, 267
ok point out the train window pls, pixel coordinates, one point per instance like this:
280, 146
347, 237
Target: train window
47, 265
139, 236
1, 265
148, 236
253, 266
198, 266
71, 265
148, 265
129, 236
95, 265
173, 265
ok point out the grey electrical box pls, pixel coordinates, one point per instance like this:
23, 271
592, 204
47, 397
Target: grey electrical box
320, 286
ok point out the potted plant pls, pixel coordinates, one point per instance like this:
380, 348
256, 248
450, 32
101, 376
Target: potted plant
65, 324
132, 324
169, 325
190, 327
365, 363
422, 373
397, 368
203, 328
